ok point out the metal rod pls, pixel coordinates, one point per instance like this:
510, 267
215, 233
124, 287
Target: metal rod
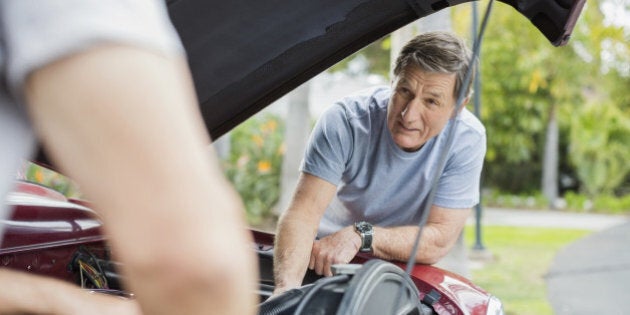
477, 102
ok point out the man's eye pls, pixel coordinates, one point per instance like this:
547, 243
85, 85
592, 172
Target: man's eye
432, 102
404, 91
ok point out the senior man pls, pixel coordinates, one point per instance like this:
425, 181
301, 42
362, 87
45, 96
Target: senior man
368, 168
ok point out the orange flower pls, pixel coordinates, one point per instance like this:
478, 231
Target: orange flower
270, 126
258, 140
39, 176
264, 167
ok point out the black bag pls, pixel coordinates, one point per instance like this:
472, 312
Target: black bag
377, 287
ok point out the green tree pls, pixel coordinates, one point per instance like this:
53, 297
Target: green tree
520, 70
599, 147
527, 83
600, 129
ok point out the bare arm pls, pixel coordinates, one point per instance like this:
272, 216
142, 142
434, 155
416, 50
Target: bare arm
438, 237
124, 123
23, 293
393, 243
297, 229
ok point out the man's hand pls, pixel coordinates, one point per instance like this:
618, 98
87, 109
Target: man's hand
337, 248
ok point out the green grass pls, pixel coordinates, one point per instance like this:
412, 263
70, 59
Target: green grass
522, 257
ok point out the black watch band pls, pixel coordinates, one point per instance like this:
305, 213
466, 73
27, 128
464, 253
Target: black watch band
366, 231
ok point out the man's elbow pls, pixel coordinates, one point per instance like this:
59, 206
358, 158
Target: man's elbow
433, 255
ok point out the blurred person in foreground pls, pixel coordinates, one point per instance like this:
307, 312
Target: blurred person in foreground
368, 167
105, 87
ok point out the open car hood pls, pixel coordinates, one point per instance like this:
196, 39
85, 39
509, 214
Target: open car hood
246, 54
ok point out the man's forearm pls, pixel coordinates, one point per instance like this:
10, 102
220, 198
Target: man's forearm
396, 243
439, 234
24, 293
292, 254
297, 229
170, 215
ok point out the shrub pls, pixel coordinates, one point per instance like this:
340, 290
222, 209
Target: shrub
495, 198
254, 164
578, 202
612, 204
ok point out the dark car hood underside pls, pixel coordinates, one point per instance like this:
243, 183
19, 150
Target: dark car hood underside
246, 54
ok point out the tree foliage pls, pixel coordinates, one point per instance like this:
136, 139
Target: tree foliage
524, 77
600, 129
599, 147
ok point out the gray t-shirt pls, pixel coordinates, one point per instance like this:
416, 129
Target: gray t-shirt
352, 148
34, 33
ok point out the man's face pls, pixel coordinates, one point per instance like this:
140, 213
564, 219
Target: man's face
420, 106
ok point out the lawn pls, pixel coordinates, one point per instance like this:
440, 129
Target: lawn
521, 258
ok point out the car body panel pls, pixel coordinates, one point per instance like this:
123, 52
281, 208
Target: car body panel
42, 219
457, 295
46, 230
46, 235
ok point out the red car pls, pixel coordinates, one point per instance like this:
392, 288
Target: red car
54, 236
244, 55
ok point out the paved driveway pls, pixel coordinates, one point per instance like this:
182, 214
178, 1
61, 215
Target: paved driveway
592, 275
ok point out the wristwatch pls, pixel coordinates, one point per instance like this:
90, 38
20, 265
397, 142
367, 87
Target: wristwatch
366, 232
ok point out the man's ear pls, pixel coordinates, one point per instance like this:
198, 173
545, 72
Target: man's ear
464, 103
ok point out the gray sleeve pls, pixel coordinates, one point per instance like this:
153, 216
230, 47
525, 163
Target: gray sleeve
37, 32
459, 185
329, 147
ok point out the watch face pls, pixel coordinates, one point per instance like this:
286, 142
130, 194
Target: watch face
363, 227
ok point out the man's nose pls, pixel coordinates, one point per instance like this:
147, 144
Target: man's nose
412, 111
